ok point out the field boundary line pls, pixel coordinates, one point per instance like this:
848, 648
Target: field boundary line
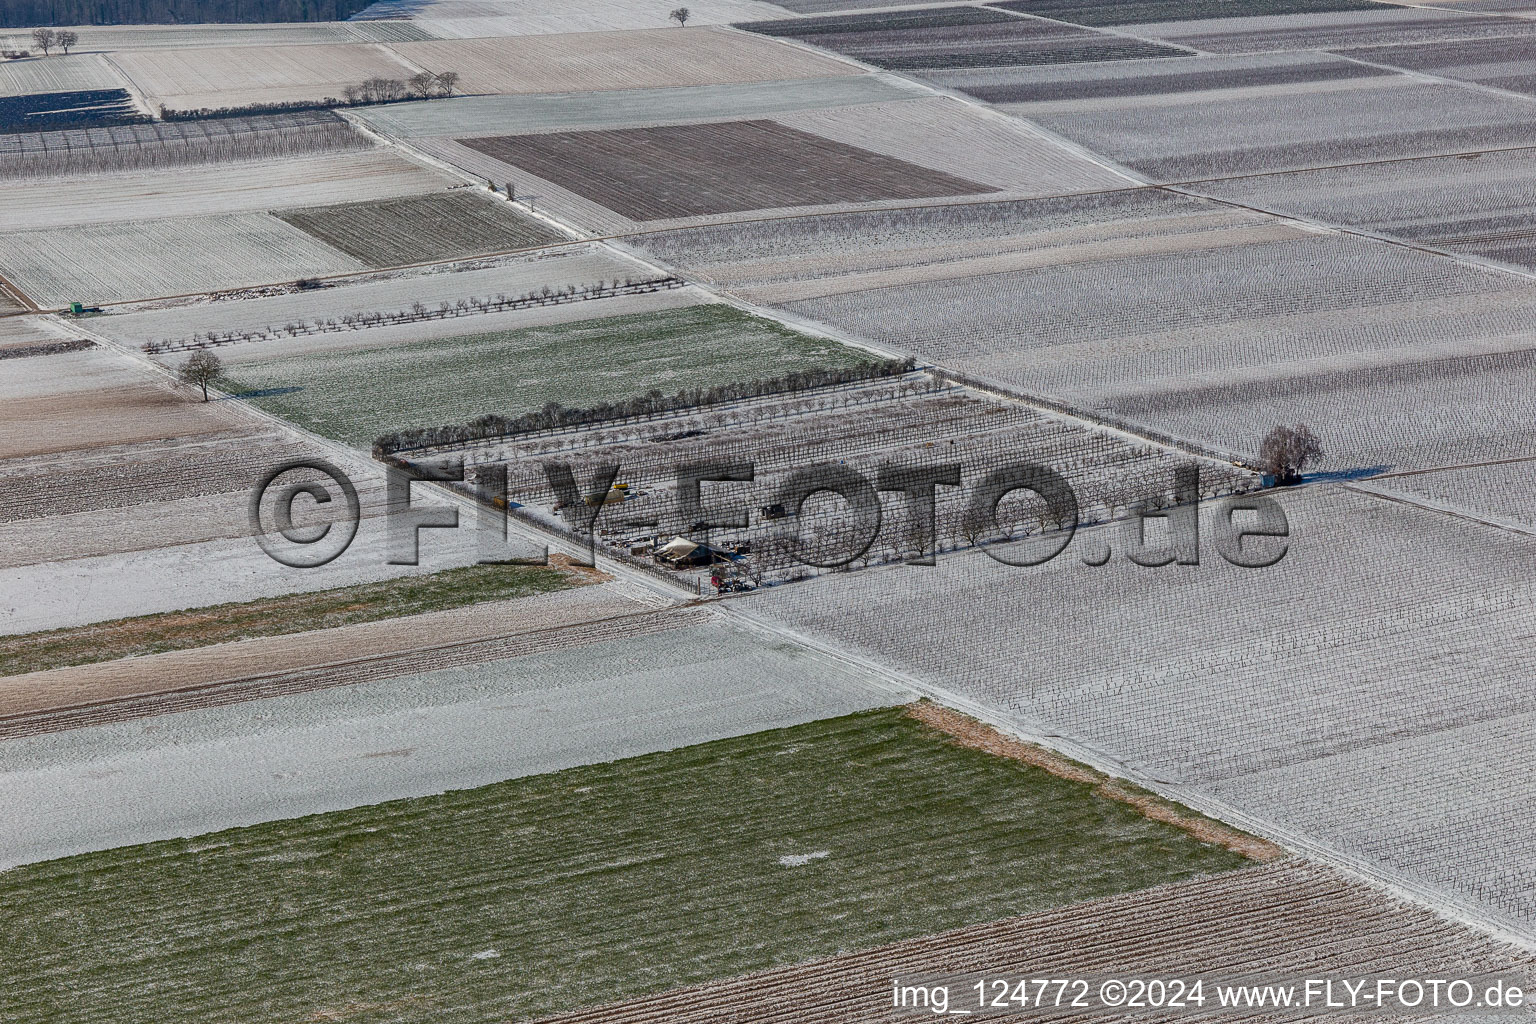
1433, 79
28, 306
1011, 724
1407, 889
886, 206
986, 110
1442, 508
1461, 259
132, 87
304, 679
1118, 31
1454, 466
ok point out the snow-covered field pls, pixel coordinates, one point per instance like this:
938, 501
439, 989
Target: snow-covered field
1384, 628
238, 187
1231, 338
1480, 207
1353, 251
58, 73
388, 292
604, 61
1354, 120
787, 259
453, 19
128, 441
200, 771
128, 260
52, 595
221, 76
1336, 30
1499, 492
492, 115
96, 399
949, 136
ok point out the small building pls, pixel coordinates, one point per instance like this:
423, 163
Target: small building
684, 553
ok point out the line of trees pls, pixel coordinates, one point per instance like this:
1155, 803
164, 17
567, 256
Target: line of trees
46, 39
418, 312
421, 86
555, 416
424, 85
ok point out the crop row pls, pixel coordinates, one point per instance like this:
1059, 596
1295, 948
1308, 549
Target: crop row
56, 74
162, 144
371, 293
412, 229
1347, 30
44, 349
126, 475
1464, 826
193, 78
1417, 414
172, 256
1264, 924
358, 393
916, 422
805, 247
700, 169
1131, 12
470, 116
959, 37
1286, 691
1180, 141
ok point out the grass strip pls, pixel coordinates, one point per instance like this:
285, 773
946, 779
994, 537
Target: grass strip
275, 616
523, 898
355, 395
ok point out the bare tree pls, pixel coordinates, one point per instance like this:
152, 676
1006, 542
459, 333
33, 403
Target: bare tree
422, 84
447, 81
44, 39
1286, 451
199, 370
681, 15
66, 39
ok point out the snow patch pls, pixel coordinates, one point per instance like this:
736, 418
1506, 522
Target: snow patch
795, 860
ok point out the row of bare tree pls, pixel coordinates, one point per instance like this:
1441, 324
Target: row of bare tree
46, 39
422, 85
